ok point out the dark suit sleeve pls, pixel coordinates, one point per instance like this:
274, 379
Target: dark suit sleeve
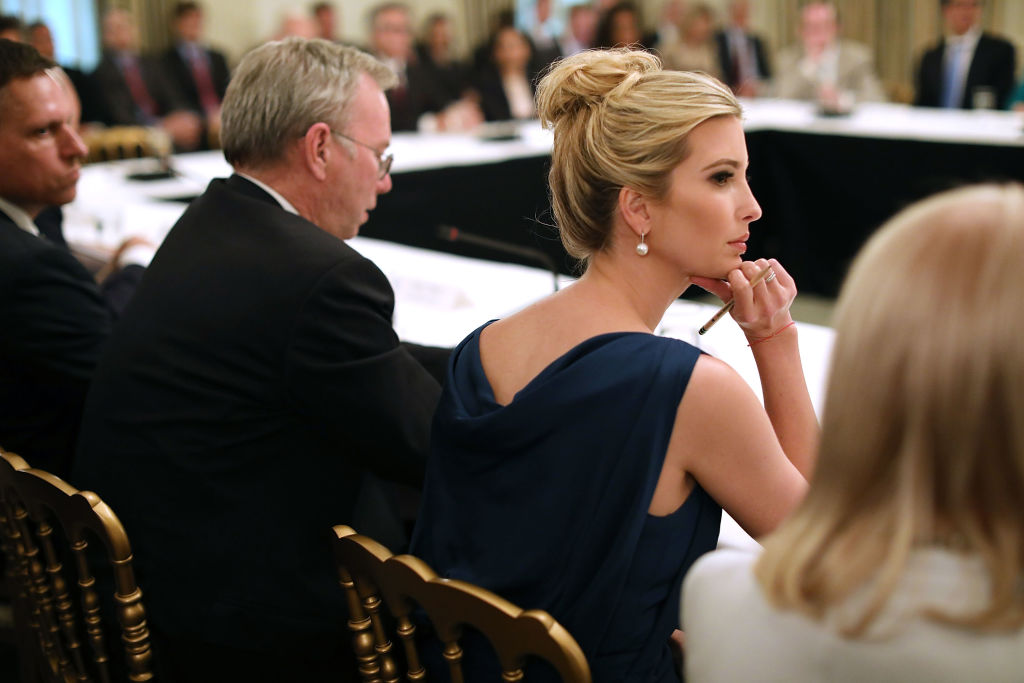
762, 58
162, 86
59, 316
1005, 68
347, 370
434, 359
119, 287
928, 78
220, 72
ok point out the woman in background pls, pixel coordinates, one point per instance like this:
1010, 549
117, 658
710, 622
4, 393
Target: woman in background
619, 26
505, 86
906, 560
578, 462
694, 49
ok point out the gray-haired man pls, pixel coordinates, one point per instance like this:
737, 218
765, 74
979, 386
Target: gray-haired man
258, 378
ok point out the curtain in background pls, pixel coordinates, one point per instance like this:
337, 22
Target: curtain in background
478, 15
73, 24
154, 17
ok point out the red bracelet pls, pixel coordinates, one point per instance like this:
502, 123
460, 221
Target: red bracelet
758, 340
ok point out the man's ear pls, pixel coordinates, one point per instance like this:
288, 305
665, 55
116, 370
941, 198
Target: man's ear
315, 149
634, 208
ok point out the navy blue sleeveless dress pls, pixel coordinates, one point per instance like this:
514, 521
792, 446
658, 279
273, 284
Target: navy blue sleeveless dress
544, 501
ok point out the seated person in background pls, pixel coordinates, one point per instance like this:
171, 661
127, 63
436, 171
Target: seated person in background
741, 53
326, 21
40, 37
694, 49
968, 68
55, 317
505, 85
446, 74
133, 90
824, 69
670, 19
295, 24
580, 30
543, 36
416, 93
619, 26
256, 379
905, 561
196, 71
578, 462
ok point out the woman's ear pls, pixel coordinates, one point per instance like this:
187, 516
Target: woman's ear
634, 208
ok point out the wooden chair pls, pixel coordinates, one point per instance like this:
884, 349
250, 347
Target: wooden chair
368, 571
45, 522
126, 142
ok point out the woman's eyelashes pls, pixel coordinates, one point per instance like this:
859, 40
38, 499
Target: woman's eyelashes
722, 177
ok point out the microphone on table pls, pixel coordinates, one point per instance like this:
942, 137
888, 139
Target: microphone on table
450, 233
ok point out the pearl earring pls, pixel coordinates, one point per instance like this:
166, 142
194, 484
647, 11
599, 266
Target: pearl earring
642, 249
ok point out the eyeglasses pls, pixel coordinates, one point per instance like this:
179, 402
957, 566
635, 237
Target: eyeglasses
383, 160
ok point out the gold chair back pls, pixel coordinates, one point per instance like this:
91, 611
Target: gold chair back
45, 523
126, 142
372, 577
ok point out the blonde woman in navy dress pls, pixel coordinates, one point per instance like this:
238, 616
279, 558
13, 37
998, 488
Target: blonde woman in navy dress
579, 463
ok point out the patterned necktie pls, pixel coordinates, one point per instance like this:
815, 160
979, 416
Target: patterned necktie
208, 99
137, 87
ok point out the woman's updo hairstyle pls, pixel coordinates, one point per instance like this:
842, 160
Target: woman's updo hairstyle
619, 120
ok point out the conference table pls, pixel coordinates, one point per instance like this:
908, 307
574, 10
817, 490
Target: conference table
439, 296
825, 183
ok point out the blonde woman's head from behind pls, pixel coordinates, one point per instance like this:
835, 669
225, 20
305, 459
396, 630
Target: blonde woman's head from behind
922, 437
619, 120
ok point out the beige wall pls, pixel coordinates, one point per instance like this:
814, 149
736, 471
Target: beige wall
236, 26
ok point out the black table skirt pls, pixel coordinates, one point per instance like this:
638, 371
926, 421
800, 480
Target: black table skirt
822, 197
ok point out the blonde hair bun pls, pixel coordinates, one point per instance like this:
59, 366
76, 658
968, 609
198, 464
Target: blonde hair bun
619, 120
589, 78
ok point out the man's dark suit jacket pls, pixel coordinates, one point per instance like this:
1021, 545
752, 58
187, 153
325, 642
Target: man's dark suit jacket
992, 66
420, 94
252, 381
55, 321
113, 104
764, 70
179, 73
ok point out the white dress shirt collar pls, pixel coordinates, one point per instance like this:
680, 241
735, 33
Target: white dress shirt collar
20, 218
278, 197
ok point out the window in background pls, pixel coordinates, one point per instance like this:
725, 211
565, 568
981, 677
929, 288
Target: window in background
526, 15
73, 24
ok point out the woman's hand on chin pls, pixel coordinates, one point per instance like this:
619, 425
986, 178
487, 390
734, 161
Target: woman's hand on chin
761, 310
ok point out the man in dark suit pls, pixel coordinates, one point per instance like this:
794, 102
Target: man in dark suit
55, 318
257, 378
199, 73
416, 101
133, 90
968, 68
741, 53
